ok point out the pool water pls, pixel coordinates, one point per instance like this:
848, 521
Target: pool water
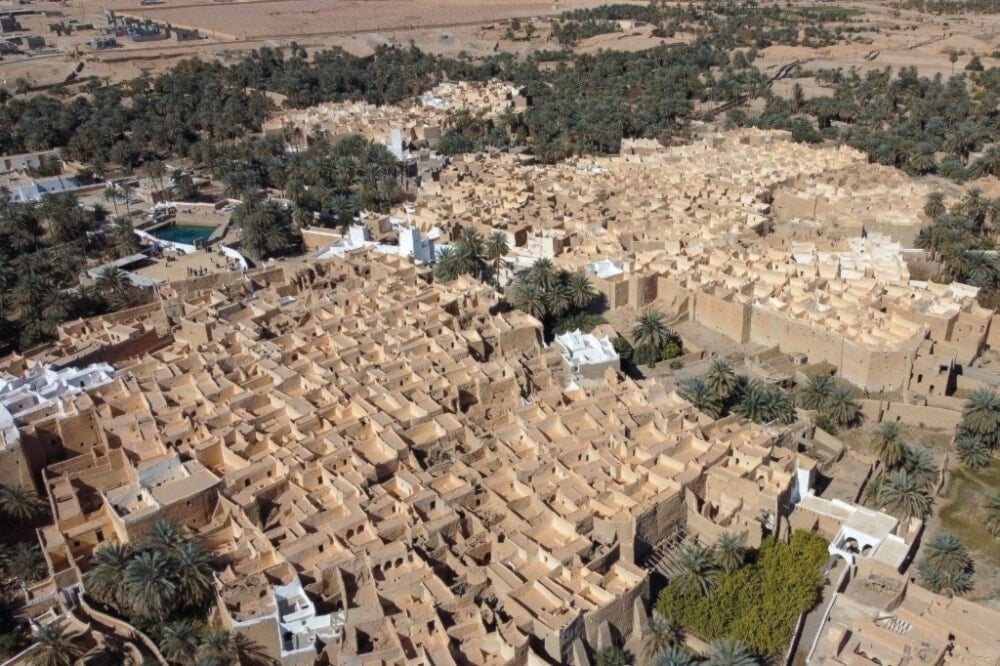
184, 233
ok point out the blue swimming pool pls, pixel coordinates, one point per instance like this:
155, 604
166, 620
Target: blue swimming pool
184, 233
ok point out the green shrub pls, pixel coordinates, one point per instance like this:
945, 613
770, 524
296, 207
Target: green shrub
759, 603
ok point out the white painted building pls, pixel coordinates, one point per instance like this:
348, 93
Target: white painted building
415, 245
43, 387
864, 532
298, 624
587, 355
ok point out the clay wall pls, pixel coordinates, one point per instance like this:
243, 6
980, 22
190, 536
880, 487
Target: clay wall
81, 432
940, 327
674, 298
194, 512
787, 205
729, 318
21, 464
641, 289
194, 332
657, 522
771, 328
916, 415
876, 370
525, 339
968, 336
615, 291
618, 614
993, 335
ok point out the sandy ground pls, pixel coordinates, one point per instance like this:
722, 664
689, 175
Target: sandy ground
450, 27
907, 40
278, 18
178, 267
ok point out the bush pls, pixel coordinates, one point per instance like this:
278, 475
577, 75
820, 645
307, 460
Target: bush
584, 321
824, 422
759, 603
623, 347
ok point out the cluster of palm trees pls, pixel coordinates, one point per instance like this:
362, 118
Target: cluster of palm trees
163, 577
473, 255
551, 295
183, 642
266, 227
663, 646
978, 435
21, 562
325, 183
701, 566
946, 565
908, 474
335, 180
653, 340
55, 645
832, 400
720, 391
963, 236
42, 249
165, 584
191, 643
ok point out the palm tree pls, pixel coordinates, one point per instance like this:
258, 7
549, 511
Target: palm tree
156, 170
703, 399
698, 570
663, 634
557, 300
150, 584
446, 268
934, 206
888, 445
729, 652
197, 575
841, 406
981, 414
56, 647
163, 535
528, 298
673, 656
992, 506
721, 378
936, 581
470, 242
780, 405
106, 578
542, 274
179, 641
902, 496
981, 269
581, 293
126, 188
25, 563
973, 451
730, 551
816, 392
754, 403
611, 656
494, 249
651, 330
124, 238
919, 462
20, 503
226, 648
113, 280
111, 194
947, 554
